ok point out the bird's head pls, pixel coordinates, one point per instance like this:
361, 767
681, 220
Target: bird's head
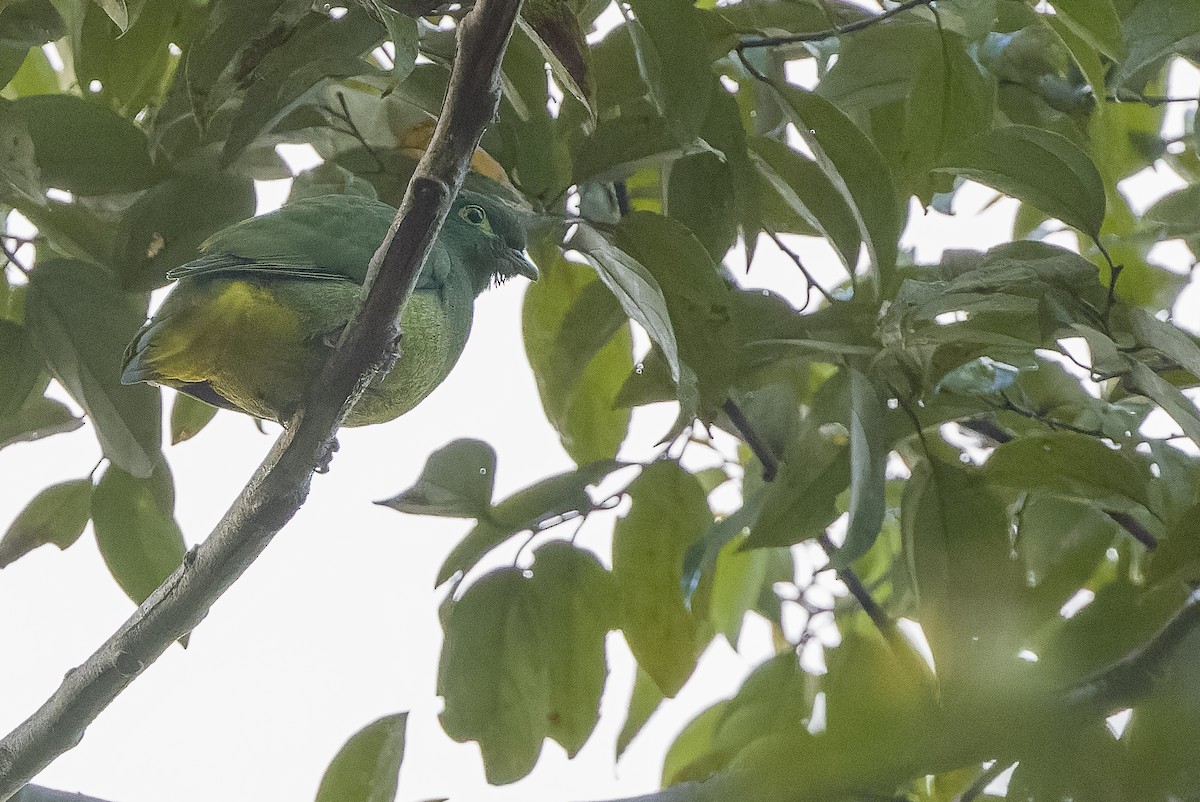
492, 234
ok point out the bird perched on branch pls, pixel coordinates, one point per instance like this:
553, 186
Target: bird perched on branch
252, 321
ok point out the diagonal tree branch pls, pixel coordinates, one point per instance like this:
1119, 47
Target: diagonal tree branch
280, 485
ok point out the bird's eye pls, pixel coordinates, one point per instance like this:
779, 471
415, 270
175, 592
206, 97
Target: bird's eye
475, 215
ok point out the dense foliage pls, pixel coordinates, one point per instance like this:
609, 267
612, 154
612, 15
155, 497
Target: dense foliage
967, 440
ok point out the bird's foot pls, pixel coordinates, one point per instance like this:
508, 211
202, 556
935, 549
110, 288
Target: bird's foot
326, 456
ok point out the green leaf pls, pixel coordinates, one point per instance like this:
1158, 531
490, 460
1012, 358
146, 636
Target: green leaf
1072, 464
166, 225
81, 322
134, 66
868, 464
136, 530
579, 346
56, 515
38, 417
1166, 338
1153, 30
634, 287
318, 48
854, 166
806, 197
117, 11
645, 700
577, 601
526, 509
523, 659
669, 512
693, 742
188, 416
82, 146
237, 35
456, 482
367, 767
1096, 22
1040, 167
1181, 408
950, 101
697, 298
493, 674
20, 365
330, 179
1178, 213
19, 171
666, 36
555, 30
738, 577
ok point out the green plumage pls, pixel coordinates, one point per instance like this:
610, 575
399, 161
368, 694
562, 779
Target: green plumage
253, 319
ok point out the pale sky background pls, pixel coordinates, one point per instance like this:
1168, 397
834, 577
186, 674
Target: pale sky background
336, 624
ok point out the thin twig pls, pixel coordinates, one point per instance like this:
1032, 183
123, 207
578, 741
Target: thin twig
984, 779
859, 591
757, 445
808, 277
11, 257
281, 483
841, 30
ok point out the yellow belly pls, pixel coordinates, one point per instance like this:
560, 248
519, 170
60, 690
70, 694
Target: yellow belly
261, 352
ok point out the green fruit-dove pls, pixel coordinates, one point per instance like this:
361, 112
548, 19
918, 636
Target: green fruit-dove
252, 321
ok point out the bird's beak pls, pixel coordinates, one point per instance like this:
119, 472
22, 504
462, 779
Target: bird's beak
522, 265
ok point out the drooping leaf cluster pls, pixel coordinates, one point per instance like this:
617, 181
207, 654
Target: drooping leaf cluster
978, 444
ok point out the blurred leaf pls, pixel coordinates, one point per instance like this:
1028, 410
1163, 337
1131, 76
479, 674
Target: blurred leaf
20, 365
1096, 22
1181, 408
694, 741
645, 700
1178, 212
136, 530
329, 179
868, 463
237, 35
82, 146
578, 343
367, 767
81, 322
188, 416
456, 482
18, 163
951, 101
167, 224
669, 512
523, 510
134, 66
1154, 29
56, 515
1073, 464
736, 585
117, 11
39, 417
1039, 167
493, 674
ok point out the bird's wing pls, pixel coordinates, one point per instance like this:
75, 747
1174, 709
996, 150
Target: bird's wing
327, 237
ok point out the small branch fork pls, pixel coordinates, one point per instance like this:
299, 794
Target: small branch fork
817, 36
281, 484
